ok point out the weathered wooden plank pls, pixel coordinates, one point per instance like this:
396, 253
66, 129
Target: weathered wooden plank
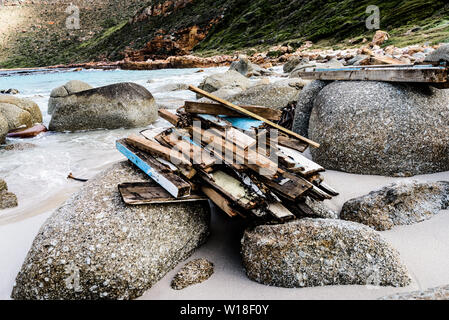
292, 143
305, 166
252, 115
140, 193
424, 75
288, 185
157, 149
326, 188
195, 153
169, 116
220, 201
218, 109
176, 186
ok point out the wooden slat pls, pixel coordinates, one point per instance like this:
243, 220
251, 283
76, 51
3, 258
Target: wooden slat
169, 116
156, 149
220, 201
176, 186
305, 166
252, 115
288, 185
424, 75
292, 143
218, 109
141, 193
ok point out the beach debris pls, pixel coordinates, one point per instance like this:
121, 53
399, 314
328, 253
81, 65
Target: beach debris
193, 272
398, 204
215, 151
27, 132
135, 193
70, 176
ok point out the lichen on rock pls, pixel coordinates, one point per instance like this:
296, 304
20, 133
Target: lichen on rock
319, 252
398, 204
194, 272
96, 247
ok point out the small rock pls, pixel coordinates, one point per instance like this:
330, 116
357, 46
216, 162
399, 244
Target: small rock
321, 210
398, 204
9, 91
194, 272
4, 128
8, 200
438, 293
291, 64
319, 252
26, 105
174, 87
380, 37
18, 146
248, 69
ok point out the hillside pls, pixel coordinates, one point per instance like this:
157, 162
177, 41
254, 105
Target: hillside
35, 35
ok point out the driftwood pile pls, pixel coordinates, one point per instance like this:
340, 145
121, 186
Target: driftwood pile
247, 166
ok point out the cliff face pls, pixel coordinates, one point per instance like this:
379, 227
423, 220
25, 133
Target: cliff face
34, 33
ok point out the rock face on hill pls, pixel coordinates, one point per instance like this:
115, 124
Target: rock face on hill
120, 105
398, 204
381, 128
319, 252
96, 247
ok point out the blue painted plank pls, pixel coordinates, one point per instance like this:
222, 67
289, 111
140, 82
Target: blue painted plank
243, 123
150, 171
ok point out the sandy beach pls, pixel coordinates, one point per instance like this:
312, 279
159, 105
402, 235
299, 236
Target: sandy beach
423, 247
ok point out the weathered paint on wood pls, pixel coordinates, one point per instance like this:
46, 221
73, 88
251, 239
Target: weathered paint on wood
176, 186
141, 193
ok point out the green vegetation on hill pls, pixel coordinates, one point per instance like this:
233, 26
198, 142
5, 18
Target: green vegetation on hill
107, 29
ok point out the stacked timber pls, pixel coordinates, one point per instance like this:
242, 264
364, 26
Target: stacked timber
238, 157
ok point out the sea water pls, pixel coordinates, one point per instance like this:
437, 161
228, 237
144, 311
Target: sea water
37, 175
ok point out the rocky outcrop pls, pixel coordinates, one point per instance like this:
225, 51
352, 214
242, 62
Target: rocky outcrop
398, 204
249, 69
319, 252
26, 105
229, 79
7, 199
19, 112
304, 106
369, 127
96, 247
275, 95
196, 271
333, 63
438, 293
121, 105
4, 128
58, 94
187, 61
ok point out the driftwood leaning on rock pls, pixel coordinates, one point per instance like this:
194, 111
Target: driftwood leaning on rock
213, 153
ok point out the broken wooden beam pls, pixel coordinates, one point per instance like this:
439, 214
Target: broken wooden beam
220, 201
217, 109
252, 115
174, 184
169, 116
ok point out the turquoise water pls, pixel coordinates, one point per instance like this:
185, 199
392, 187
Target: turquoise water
39, 174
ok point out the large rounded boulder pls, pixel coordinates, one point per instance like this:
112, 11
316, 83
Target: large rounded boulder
320, 252
96, 247
228, 79
381, 128
120, 105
